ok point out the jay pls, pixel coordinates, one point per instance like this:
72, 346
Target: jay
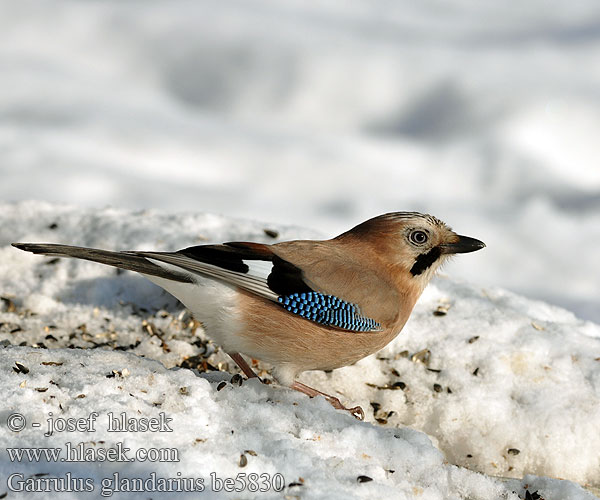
299, 305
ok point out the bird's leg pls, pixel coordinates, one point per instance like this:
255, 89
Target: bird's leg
241, 362
357, 412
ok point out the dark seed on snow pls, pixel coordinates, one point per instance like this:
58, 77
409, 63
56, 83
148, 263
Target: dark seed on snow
271, 233
437, 387
221, 386
364, 479
237, 379
19, 368
513, 451
243, 460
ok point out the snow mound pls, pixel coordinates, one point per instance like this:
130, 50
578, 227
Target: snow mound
480, 383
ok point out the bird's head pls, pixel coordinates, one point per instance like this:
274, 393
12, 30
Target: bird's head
412, 243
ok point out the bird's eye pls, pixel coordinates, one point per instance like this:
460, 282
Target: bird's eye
418, 237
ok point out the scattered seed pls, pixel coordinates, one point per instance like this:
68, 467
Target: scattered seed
390, 387
381, 421
41, 389
536, 326
533, 496
437, 388
53, 226
80, 396
9, 328
402, 354
469, 455
271, 233
52, 261
449, 390
184, 391
434, 370
441, 310
251, 452
221, 386
243, 460
364, 479
422, 356
291, 485
474, 339
237, 380
476, 371
395, 372
375, 406
51, 337
52, 363
8, 304
19, 368
513, 451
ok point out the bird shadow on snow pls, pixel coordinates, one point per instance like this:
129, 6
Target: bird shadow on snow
122, 289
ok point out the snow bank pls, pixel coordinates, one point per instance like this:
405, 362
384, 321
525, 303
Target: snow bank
480, 383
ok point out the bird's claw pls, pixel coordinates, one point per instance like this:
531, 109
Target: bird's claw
357, 412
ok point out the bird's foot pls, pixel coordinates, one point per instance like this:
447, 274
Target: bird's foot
357, 412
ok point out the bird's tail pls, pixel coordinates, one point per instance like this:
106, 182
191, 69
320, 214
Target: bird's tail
131, 261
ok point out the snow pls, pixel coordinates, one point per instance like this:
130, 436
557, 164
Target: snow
199, 119
485, 393
322, 115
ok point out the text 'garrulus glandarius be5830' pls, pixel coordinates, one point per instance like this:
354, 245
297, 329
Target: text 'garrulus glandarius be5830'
299, 305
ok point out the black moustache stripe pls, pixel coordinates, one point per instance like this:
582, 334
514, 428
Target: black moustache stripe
425, 260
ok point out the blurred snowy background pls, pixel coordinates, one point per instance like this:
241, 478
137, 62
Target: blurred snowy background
321, 115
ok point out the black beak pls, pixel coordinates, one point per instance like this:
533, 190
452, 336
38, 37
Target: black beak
463, 245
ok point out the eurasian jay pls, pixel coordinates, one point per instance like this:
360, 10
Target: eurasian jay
299, 305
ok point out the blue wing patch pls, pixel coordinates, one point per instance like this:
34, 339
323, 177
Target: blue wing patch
328, 310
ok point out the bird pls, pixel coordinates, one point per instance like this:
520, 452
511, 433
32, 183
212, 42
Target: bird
303, 304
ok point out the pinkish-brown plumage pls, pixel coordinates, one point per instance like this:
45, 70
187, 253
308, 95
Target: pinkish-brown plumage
378, 269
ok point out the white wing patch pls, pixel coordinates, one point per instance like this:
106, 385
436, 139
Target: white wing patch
259, 268
255, 280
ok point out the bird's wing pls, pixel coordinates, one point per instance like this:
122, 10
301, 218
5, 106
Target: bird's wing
260, 269
296, 282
